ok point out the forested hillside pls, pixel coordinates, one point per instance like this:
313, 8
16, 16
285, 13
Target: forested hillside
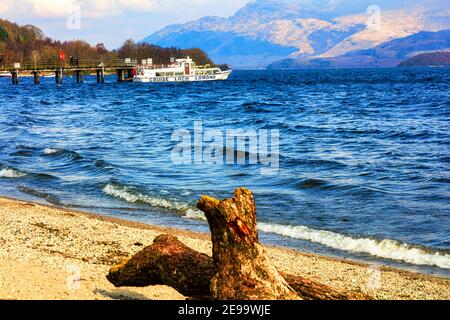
28, 44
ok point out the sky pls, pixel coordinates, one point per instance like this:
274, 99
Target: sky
110, 21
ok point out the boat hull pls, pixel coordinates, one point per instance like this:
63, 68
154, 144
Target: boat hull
221, 76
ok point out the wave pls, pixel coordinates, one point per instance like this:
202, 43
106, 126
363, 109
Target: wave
311, 183
259, 107
48, 151
12, 173
102, 164
386, 248
439, 180
195, 214
22, 153
44, 176
131, 195
291, 161
45, 102
50, 198
72, 155
325, 185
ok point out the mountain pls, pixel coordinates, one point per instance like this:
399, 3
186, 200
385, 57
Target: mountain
388, 54
264, 31
440, 59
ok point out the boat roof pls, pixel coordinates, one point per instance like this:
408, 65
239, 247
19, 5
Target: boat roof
184, 60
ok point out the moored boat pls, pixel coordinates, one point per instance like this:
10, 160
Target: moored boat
181, 70
5, 75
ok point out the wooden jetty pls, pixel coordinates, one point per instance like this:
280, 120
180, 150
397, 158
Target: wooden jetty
124, 68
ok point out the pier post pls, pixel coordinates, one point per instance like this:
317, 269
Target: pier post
79, 76
15, 76
130, 74
58, 76
100, 75
120, 75
36, 77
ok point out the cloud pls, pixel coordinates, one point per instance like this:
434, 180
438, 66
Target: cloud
146, 5
4, 6
100, 8
64, 8
110, 21
50, 8
89, 9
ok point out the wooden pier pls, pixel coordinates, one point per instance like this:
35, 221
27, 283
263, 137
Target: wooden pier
125, 70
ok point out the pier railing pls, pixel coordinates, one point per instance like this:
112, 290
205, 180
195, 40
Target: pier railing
123, 68
85, 64
68, 65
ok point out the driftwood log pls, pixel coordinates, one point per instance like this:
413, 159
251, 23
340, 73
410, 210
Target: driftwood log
167, 261
170, 262
239, 268
242, 268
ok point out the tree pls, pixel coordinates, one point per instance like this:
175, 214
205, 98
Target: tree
101, 49
20, 44
128, 49
33, 32
3, 34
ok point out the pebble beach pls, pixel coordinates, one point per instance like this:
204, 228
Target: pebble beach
54, 253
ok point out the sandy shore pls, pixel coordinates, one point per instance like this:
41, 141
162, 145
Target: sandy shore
44, 250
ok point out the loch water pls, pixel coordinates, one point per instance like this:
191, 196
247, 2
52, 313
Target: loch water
364, 162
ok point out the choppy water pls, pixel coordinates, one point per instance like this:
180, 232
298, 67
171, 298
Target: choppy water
364, 155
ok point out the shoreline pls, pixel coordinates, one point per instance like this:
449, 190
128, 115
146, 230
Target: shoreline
43, 248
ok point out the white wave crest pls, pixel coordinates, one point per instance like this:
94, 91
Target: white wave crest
11, 173
49, 151
386, 248
127, 194
195, 214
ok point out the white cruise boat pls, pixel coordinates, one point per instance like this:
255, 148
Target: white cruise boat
5, 75
180, 70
